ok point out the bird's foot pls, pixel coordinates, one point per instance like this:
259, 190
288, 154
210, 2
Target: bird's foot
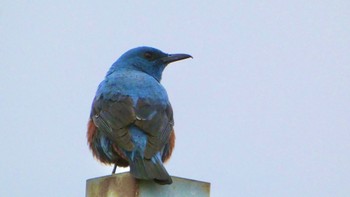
114, 169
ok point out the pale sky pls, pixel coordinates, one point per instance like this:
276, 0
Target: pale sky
262, 110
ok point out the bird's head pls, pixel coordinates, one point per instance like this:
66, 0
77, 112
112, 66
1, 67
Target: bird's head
149, 60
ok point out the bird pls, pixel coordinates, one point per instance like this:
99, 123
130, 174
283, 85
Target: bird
131, 120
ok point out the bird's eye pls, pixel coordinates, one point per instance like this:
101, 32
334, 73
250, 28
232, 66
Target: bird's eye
148, 55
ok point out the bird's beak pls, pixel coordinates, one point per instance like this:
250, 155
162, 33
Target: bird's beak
175, 57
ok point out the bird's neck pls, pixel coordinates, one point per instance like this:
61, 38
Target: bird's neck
155, 73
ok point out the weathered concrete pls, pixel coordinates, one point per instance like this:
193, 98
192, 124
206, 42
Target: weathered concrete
124, 185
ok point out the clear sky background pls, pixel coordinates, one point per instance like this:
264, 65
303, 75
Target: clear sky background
262, 110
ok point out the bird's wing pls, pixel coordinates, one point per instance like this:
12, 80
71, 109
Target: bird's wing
156, 120
112, 116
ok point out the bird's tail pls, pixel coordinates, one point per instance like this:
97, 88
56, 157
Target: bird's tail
148, 169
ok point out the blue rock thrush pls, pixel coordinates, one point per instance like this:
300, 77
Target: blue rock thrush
131, 120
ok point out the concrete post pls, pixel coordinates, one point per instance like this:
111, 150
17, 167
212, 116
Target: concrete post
124, 185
